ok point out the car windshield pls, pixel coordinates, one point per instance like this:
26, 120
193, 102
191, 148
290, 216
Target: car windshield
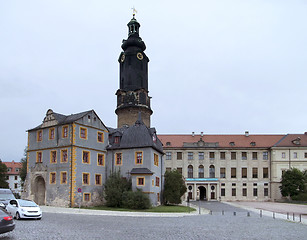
25, 203
6, 196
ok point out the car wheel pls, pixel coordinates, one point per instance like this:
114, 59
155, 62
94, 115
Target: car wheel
17, 216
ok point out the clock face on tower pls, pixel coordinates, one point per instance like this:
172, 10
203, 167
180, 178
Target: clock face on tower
122, 59
139, 56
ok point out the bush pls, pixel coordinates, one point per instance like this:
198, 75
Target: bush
136, 200
115, 187
300, 197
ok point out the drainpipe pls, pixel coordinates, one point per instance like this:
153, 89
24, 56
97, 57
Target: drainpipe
162, 182
71, 147
270, 164
289, 159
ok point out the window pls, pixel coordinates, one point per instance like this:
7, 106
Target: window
201, 171
222, 155
39, 135
140, 181
201, 156
153, 182
168, 156
156, 159
244, 192
179, 169
168, 143
254, 156
233, 192
253, 144
265, 172
283, 155
100, 159
233, 172
222, 173
86, 197
222, 192
9, 169
179, 155
52, 179
118, 159
244, 155
116, 139
190, 171
83, 133
222, 184
295, 155
265, 155
100, 137
86, 157
65, 131
233, 155
244, 172
168, 169
266, 184
266, 192
244, 184
255, 192
255, 173
190, 155
52, 156
15, 185
39, 158
233, 184
305, 154
211, 171
64, 155
16, 177
85, 179
63, 177
138, 157
157, 181
255, 184
98, 178
211, 155
17, 169
51, 133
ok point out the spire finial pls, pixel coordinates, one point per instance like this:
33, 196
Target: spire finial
134, 11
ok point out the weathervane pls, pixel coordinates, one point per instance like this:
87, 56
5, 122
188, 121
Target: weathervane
134, 11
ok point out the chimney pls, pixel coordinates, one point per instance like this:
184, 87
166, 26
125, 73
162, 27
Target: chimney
193, 133
246, 133
202, 134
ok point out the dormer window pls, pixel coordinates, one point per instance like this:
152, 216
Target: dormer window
154, 137
297, 141
253, 143
168, 143
232, 143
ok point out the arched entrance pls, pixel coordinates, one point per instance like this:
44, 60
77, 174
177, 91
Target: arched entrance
39, 190
202, 193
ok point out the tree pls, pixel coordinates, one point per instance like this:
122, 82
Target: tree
174, 187
292, 182
23, 170
3, 174
114, 189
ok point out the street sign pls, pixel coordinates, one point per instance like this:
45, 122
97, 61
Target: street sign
79, 190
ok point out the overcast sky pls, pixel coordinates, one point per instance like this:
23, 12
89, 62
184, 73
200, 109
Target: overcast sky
217, 66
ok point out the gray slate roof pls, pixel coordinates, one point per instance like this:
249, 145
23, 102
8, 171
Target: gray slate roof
65, 119
140, 171
135, 136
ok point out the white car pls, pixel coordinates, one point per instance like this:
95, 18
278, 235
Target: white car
24, 209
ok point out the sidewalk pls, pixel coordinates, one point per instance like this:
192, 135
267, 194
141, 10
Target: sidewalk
50, 209
286, 211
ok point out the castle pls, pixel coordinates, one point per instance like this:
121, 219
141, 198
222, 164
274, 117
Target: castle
71, 156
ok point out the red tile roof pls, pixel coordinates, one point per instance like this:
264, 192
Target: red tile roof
290, 140
13, 165
240, 141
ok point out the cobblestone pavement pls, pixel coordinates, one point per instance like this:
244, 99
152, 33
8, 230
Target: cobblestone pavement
216, 226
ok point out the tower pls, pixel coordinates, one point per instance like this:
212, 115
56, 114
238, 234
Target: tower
132, 95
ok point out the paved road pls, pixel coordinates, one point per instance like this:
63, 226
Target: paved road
84, 226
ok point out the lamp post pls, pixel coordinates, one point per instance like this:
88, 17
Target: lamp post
198, 196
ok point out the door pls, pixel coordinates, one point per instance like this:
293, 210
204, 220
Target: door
39, 191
